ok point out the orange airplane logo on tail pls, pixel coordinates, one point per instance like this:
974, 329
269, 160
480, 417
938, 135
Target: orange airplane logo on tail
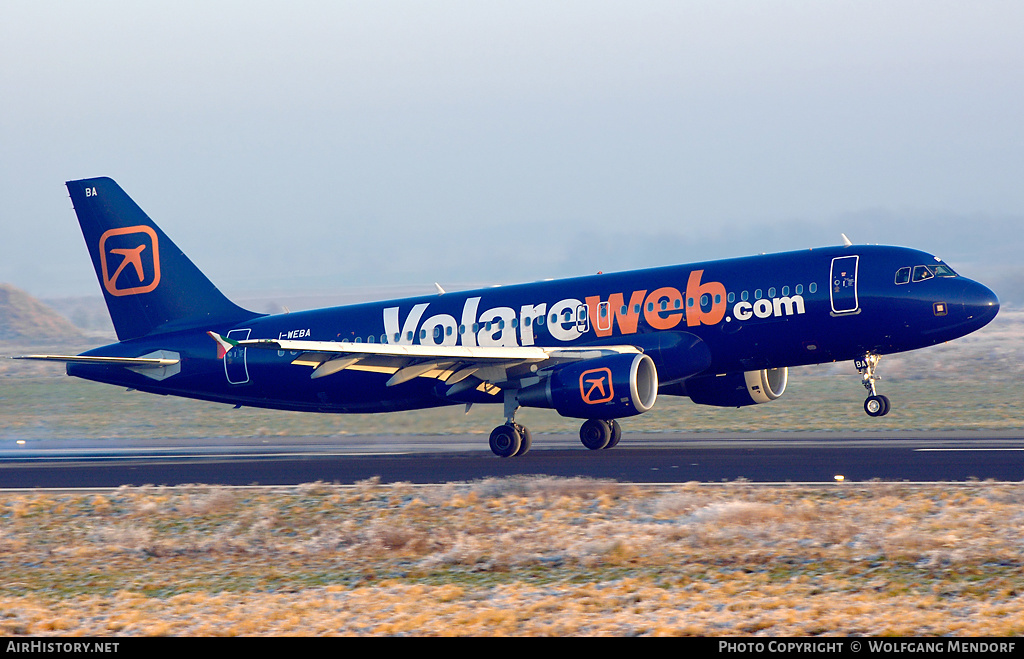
596, 386
124, 256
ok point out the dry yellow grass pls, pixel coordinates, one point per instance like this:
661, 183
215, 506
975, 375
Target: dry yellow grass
537, 556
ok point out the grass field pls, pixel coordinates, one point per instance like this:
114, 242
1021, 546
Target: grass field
533, 556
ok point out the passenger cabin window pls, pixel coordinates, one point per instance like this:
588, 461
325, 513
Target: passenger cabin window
903, 275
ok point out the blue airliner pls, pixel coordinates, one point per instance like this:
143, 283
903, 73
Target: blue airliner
597, 348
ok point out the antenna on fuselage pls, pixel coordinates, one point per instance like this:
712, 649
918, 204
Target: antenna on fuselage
846, 241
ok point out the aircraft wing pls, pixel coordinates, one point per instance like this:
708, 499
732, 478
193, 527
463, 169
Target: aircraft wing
464, 367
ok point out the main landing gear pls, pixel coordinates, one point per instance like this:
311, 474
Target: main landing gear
512, 439
597, 434
876, 404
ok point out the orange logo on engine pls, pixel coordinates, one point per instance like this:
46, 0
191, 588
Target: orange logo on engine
130, 260
596, 386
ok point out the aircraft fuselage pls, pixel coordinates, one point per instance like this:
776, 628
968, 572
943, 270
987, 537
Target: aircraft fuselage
758, 312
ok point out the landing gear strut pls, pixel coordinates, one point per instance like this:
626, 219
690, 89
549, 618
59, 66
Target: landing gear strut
876, 404
511, 439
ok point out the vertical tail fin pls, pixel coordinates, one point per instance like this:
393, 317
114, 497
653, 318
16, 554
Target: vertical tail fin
149, 284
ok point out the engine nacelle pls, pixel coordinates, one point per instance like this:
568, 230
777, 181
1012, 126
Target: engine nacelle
603, 388
738, 389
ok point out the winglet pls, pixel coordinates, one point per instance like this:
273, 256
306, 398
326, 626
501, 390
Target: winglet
223, 344
846, 241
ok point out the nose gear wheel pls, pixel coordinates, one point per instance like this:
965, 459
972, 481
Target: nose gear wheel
876, 404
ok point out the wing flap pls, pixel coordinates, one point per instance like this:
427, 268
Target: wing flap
465, 366
398, 350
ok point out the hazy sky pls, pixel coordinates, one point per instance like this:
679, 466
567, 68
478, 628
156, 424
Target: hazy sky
332, 144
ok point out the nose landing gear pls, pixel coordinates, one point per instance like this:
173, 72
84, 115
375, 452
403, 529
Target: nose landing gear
875, 404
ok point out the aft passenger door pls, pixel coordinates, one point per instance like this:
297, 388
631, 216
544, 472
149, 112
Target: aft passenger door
235, 367
843, 285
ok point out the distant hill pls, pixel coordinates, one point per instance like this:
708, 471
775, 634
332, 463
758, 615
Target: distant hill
25, 319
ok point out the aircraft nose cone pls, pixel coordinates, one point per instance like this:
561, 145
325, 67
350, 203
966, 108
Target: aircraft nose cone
980, 303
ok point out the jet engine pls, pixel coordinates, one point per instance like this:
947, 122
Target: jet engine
602, 388
739, 388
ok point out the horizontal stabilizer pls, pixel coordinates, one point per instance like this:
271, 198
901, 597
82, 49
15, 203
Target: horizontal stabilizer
134, 362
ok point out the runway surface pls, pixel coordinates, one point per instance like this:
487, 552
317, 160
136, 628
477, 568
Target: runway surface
642, 458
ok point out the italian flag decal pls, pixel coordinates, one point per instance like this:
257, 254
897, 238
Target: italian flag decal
223, 345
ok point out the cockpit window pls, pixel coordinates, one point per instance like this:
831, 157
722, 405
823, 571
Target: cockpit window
922, 272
